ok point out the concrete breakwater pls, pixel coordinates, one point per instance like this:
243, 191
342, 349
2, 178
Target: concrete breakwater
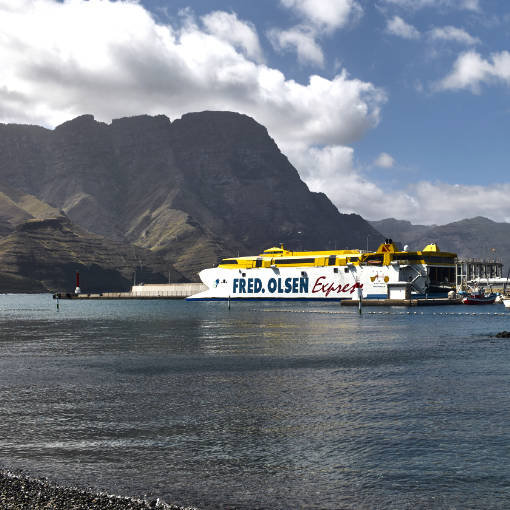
150, 291
21, 492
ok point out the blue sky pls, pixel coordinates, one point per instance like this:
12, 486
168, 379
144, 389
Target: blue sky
393, 108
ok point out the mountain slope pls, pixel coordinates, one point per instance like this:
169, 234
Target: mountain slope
17, 207
43, 255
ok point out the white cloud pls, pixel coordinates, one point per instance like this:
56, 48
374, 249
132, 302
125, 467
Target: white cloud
397, 26
328, 15
450, 33
384, 160
113, 59
442, 203
470, 5
331, 170
301, 40
319, 17
227, 27
470, 71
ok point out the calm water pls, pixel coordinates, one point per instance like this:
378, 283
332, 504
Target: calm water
264, 406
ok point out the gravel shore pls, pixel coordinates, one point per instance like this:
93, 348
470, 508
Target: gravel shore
21, 492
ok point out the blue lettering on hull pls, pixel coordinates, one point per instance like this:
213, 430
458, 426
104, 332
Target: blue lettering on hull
274, 285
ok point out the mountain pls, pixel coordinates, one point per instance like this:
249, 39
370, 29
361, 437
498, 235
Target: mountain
191, 191
470, 238
402, 231
43, 255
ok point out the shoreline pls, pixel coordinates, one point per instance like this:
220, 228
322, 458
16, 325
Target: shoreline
19, 491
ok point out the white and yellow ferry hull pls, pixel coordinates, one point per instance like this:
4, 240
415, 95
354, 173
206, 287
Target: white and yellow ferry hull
298, 283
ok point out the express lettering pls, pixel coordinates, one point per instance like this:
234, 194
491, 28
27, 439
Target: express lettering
328, 288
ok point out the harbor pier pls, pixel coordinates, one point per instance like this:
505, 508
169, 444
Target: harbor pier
149, 291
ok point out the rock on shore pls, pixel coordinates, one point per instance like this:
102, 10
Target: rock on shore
21, 492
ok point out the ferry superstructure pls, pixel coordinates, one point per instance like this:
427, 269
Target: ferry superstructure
278, 273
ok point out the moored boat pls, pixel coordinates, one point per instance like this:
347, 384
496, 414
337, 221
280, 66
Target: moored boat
479, 297
278, 273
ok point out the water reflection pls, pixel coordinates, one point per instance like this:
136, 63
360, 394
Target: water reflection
273, 406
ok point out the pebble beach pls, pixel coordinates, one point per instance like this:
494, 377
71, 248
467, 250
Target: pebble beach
21, 492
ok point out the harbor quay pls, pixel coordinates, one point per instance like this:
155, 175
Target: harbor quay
149, 291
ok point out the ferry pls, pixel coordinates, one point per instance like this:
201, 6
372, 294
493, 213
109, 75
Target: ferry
278, 274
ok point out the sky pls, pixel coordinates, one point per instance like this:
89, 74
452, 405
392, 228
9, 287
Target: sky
393, 108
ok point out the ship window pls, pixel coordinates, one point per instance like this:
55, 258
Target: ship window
331, 260
272, 252
428, 259
438, 260
229, 261
374, 260
353, 259
295, 261
346, 269
335, 270
258, 263
407, 256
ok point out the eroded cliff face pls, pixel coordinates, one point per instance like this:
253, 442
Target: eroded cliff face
44, 255
208, 185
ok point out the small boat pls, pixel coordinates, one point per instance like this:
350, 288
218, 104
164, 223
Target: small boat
479, 297
506, 301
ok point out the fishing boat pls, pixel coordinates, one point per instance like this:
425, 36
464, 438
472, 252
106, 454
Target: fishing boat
278, 273
479, 297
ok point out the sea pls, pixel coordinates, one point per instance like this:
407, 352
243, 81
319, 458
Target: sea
263, 405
